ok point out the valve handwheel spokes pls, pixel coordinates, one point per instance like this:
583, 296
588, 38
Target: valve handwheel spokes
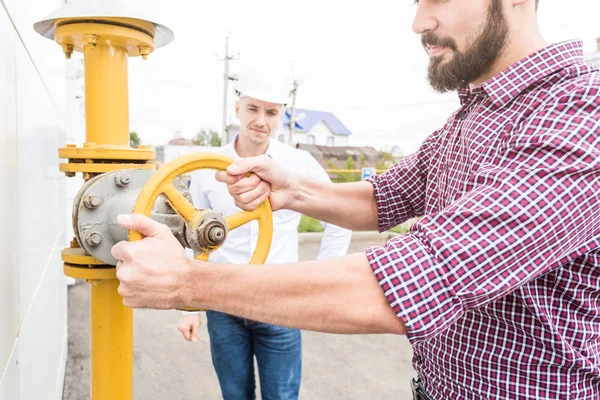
205, 229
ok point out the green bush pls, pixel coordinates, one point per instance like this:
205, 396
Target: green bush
402, 228
308, 224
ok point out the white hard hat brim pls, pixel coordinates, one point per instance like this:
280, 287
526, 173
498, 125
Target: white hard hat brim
269, 98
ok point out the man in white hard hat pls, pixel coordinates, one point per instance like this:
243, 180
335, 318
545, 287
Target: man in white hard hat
236, 341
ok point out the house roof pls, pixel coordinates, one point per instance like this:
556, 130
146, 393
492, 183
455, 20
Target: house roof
341, 152
181, 142
307, 119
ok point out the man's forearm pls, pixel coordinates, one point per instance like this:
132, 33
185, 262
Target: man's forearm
349, 205
336, 296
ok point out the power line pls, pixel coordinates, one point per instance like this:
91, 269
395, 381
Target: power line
226, 78
293, 111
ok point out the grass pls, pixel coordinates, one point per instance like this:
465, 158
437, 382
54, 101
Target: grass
308, 224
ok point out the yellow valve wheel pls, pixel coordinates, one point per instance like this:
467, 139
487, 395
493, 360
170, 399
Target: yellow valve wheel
162, 183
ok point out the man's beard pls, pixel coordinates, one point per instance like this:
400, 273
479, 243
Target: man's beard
464, 68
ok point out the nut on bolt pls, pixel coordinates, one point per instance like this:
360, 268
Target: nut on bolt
92, 201
216, 234
68, 50
144, 52
123, 179
91, 39
93, 238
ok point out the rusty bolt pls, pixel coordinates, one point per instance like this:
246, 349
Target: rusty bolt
144, 52
68, 50
70, 174
91, 39
92, 201
122, 179
93, 238
216, 234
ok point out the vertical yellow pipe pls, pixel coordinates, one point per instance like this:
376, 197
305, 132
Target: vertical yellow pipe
111, 344
106, 97
107, 123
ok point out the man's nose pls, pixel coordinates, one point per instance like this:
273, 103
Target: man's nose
260, 120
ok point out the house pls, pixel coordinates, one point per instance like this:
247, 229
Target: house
178, 146
384, 143
181, 142
314, 127
169, 152
311, 127
336, 156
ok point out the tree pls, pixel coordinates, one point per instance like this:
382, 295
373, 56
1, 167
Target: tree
381, 165
350, 164
388, 156
207, 138
134, 140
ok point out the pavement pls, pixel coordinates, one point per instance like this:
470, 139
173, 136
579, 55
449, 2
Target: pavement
166, 367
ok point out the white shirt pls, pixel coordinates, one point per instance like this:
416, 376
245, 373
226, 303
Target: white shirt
240, 242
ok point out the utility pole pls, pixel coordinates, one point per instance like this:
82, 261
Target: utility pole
226, 79
293, 111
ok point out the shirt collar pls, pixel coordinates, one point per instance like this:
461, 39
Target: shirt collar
229, 148
509, 83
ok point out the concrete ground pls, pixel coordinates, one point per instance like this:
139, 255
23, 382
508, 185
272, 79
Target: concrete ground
166, 367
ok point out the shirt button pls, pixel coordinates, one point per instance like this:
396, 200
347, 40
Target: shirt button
463, 115
418, 359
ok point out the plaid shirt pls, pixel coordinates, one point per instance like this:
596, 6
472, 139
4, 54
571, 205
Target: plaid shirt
499, 282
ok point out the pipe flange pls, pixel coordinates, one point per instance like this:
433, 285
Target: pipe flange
101, 199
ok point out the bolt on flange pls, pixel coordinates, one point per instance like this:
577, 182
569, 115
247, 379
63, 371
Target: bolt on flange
93, 238
122, 180
92, 201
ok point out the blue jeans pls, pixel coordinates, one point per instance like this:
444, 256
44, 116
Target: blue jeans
235, 341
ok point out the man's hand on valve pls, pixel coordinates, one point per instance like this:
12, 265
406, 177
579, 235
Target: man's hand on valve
152, 271
251, 181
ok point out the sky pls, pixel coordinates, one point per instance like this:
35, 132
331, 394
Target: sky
359, 60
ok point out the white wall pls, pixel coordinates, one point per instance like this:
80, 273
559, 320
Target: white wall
74, 130
33, 308
321, 132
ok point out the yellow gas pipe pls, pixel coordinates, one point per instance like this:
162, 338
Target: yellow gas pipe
106, 43
107, 124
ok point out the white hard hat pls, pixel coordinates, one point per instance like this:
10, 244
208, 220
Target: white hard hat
263, 85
